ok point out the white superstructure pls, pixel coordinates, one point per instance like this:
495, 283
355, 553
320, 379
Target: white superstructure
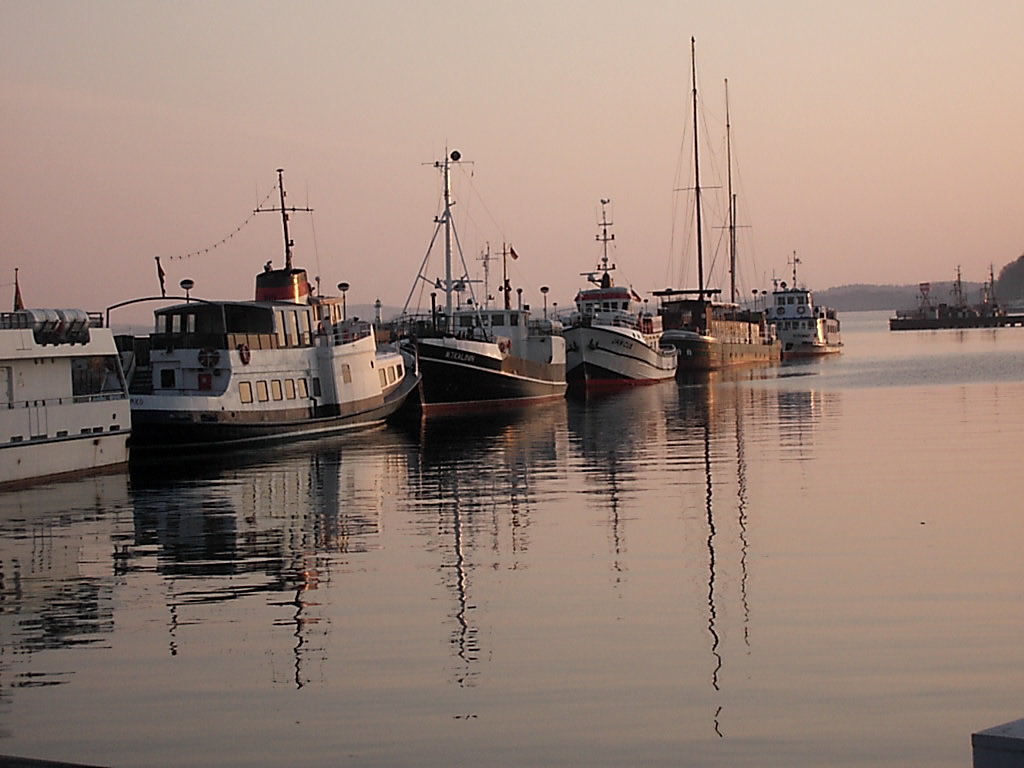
63, 401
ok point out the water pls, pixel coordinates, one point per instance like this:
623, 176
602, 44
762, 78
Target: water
815, 564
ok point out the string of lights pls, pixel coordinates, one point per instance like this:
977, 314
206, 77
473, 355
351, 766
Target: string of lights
224, 240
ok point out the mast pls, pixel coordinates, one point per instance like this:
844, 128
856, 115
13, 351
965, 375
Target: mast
447, 219
284, 211
732, 200
696, 172
604, 238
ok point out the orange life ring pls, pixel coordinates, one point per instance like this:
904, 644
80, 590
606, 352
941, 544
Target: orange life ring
244, 354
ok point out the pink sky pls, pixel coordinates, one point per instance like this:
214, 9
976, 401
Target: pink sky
879, 140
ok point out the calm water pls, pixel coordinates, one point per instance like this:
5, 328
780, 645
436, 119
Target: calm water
816, 564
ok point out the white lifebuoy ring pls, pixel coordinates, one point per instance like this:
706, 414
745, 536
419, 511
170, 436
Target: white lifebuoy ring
781, 310
801, 309
244, 354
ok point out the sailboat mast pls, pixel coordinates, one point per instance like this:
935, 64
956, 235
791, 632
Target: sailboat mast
696, 172
447, 243
732, 200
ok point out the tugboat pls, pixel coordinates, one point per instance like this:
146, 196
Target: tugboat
613, 340
710, 334
289, 364
63, 398
470, 356
804, 328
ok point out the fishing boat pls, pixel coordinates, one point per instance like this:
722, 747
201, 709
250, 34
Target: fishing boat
469, 355
711, 334
613, 341
63, 397
290, 364
805, 329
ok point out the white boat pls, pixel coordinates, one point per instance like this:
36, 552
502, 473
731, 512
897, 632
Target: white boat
474, 357
613, 341
289, 364
805, 328
63, 400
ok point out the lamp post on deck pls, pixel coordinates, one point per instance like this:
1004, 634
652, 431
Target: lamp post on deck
186, 286
544, 289
343, 287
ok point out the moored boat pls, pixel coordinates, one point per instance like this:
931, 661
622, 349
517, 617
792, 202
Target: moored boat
613, 340
289, 364
471, 356
63, 399
804, 328
711, 334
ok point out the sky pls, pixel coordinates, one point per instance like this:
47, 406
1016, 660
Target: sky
878, 140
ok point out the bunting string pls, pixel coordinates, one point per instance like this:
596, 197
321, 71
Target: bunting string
224, 240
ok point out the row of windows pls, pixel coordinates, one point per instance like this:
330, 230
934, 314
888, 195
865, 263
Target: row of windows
469, 321
277, 389
389, 375
786, 325
782, 300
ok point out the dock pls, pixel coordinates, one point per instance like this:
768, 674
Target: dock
911, 323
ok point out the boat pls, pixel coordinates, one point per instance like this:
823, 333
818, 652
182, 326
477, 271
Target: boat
613, 341
63, 397
804, 328
471, 356
988, 313
289, 364
711, 334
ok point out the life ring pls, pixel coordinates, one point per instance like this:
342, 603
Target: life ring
503, 346
244, 353
801, 309
208, 358
781, 310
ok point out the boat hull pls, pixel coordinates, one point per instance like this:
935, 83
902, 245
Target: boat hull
601, 358
809, 351
39, 460
462, 375
707, 353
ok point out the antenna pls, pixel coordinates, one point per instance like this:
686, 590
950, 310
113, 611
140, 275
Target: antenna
284, 211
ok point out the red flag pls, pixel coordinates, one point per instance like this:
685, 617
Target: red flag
160, 274
512, 252
18, 302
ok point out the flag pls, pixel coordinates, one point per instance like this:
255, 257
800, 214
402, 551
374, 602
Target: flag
18, 302
160, 274
512, 252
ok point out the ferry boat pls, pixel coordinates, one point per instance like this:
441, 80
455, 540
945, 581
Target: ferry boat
471, 356
711, 334
804, 328
63, 397
613, 340
289, 364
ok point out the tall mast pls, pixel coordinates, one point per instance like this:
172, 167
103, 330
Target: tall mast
284, 211
696, 172
447, 217
732, 200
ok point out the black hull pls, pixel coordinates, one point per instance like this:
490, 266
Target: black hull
162, 430
453, 381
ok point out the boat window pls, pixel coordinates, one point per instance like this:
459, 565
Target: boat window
497, 319
307, 329
292, 331
780, 300
289, 388
261, 391
513, 319
346, 373
6, 392
167, 378
303, 391
801, 299
282, 340
383, 378
466, 321
316, 386
175, 324
245, 391
789, 300
391, 375
399, 370
276, 390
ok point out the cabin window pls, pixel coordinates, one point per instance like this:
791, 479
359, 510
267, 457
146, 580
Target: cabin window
316, 386
398, 370
346, 373
307, 329
466, 321
383, 378
262, 394
289, 388
391, 375
789, 300
780, 300
292, 331
513, 319
276, 390
245, 391
167, 378
498, 319
801, 299
282, 340
303, 391
175, 324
